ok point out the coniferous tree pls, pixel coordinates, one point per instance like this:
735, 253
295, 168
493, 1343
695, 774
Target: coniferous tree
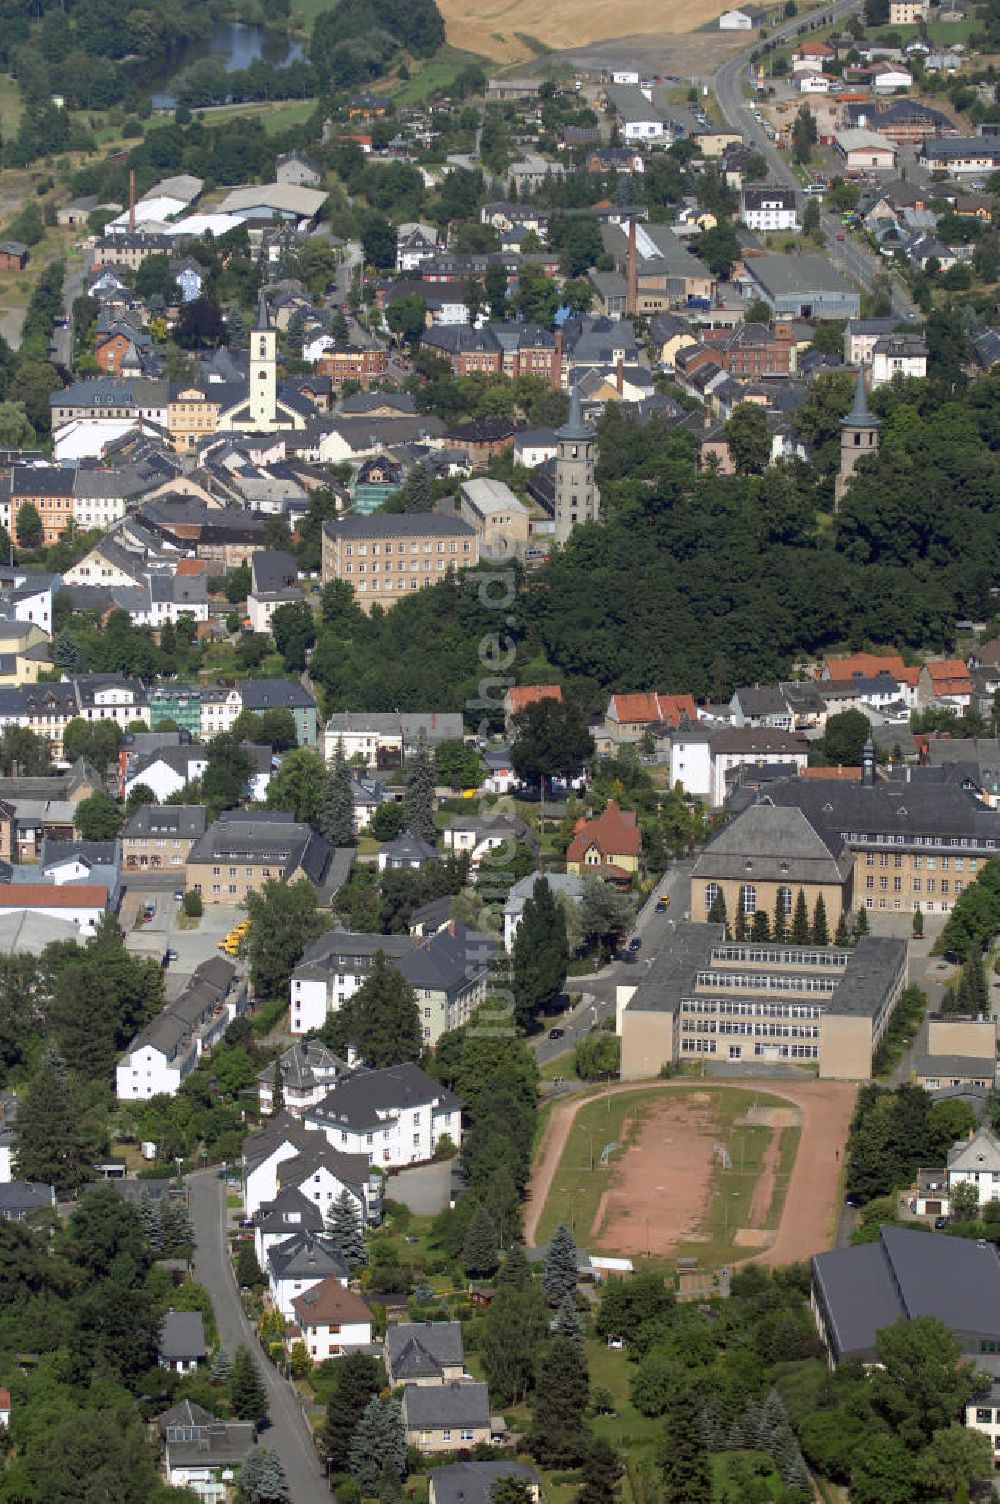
561, 1272
779, 924
741, 930
717, 910
760, 930
357, 1382
261, 1478
843, 935
390, 1489
559, 1436
277, 1090
860, 924
567, 1321
343, 1225
713, 1424
772, 1417
801, 933
479, 1255
220, 1367
687, 1472
419, 800
540, 955
176, 1235
599, 1475
247, 1393
379, 1441
735, 1441
381, 1019
51, 1146
514, 1330
515, 1269
336, 821
820, 928
66, 652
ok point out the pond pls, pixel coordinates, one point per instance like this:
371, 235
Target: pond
233, 43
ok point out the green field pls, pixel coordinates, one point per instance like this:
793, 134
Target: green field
577, 1187
438, 72
10, 106
941, 33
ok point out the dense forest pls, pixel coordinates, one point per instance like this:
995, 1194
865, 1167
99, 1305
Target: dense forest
700, 582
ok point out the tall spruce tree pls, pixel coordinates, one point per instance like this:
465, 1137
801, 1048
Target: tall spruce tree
567, 1321
843, 935
717, 910
419, 800
687, 1472
559, 1435
343, 1225
741, 930
66, 653
820, 927
379, 1441
860, 923
357, 1381
381, 1019
247, 1393
479, 1254
779, 924
51, 1145
801, 931
760, 930
599, 1475
540, 955
561, 1272
336, 820
261, 1478
515, 1269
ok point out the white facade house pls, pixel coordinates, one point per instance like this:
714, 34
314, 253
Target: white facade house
219, 709
625, 76
890, 78
752, 748
167, 772
982, 1413
565, 885
283, 1138
768, 207
691, 761
332, 1320
82, 904
169, 1048
298, 1264
395, 1116
976, 1162
810, 82
902, 355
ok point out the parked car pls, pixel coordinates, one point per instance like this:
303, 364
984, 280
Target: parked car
635, 943
556, 1033
940, 1222
661, 907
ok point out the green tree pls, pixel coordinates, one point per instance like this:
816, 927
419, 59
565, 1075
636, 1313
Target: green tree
95, 741
883, 1471
820, 928
192, 904
605, 915
749, 439
567, 1321
299, 785
844, 738
51, 1143
687, 1477
479, 1256
357, 1382
964, 1201
247, 1393
801, 932
509, 1489
598, 1057
760, 929
419, 800
98, 818
514, 1329
343, 1226
379, 1441
539, 956
811, 223
381, 1019
28, 527
277, 729
293, 628
561, 1271
66, 652
804, 134
457, 765
600, 1473
336, 818
717, 910
718, 247
559, 1436
407, 317
549, 739
261, 1478
284, 919
922, 1384
956, 1457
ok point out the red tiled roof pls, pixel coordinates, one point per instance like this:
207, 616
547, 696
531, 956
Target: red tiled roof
950, 675
191, 566
521, 695
49, 896
615, 833
330, 1304
653, 708
866, 666
846, 775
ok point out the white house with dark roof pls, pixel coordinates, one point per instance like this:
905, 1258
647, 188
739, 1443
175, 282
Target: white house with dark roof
322, 1174
169, 1047
447, 1417
472, 1482
202, 1452
976, 1161
394, 1116
405, 851
298, 1264
182, 1341
276, 1221
308, 1070
281, 1138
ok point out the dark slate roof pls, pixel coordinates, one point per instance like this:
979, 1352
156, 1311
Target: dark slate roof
773, 844
278, 1130
319, 1154
911, 810
267, 694
455, 1405
419, 1349
175, 820
182, 1335
361, 1099
289, 1212
307, 1255
472, 1482
264, 835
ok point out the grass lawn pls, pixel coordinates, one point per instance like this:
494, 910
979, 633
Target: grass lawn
436, 73
941, 33
275, 115
10, 106
580, 1179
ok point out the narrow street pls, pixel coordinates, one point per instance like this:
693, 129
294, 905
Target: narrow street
287, 1433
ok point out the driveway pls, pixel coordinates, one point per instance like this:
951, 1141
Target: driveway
162, 933
599, 991
288, 1433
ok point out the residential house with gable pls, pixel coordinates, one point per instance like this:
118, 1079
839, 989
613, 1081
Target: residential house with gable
608, 846
395, 1116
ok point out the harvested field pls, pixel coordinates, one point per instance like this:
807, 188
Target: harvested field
509, 31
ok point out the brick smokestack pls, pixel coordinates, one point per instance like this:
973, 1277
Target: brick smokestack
557, 363
632, 274
620, 377
131, 202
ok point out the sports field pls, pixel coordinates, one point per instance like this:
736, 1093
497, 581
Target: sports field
504, 30
714, 1171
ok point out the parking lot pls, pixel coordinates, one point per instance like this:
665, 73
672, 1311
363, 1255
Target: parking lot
161, 933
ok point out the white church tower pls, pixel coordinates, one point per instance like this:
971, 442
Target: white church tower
263, 372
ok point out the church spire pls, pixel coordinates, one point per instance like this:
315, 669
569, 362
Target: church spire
860, 415
263, 315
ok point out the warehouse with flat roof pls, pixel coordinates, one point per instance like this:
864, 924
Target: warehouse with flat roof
806, 287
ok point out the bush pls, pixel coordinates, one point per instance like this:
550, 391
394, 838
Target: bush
192, 904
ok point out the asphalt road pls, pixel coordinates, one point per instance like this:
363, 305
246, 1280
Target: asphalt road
287, 1433
847, 254
599, 991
